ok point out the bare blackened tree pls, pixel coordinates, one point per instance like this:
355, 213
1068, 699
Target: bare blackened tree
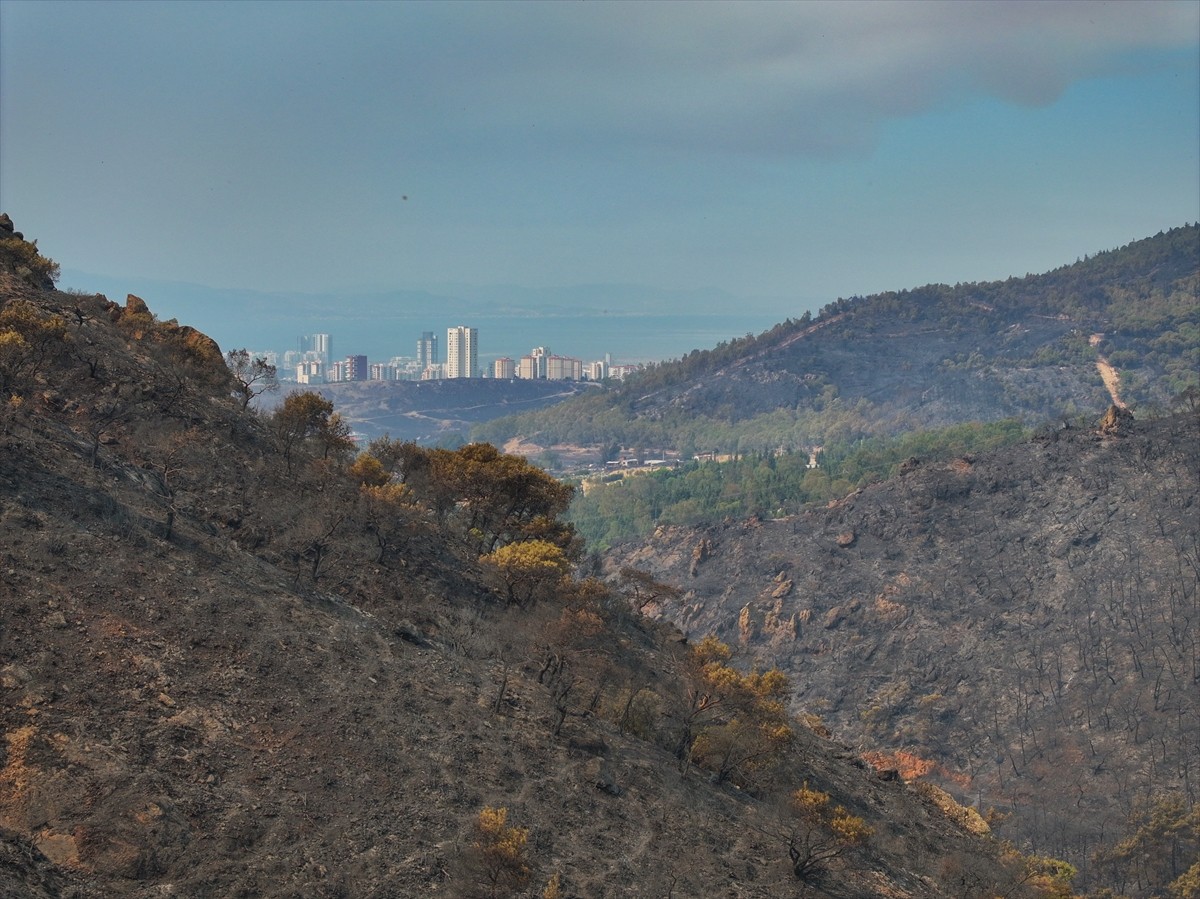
251, 377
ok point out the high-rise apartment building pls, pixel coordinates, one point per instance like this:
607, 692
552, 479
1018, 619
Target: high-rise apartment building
384, 371
564, 368
462, 352
504, 367
319, 344
533, 366
427, 350
356, 368
309, 373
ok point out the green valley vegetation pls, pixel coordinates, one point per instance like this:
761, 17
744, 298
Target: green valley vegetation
765, 484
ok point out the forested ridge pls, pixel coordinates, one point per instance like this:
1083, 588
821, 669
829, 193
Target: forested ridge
937, 355
770, 484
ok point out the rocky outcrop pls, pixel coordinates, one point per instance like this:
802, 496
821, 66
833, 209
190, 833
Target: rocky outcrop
20, 260
770, 623
193, 347
1116, 419
6, 228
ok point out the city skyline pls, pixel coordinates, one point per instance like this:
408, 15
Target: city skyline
312, 362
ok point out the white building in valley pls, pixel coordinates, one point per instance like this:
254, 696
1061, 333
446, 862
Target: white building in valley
462, 352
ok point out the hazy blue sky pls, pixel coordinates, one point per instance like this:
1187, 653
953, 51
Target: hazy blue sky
796, 150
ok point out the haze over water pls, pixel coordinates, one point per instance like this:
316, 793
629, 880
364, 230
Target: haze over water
628, 338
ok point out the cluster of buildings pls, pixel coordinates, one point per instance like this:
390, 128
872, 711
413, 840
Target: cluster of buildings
312, 362
541, 364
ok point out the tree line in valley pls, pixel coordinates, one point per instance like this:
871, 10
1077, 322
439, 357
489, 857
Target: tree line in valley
766, 484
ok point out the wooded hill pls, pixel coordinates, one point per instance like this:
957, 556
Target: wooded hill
1020, 626
239, 658
1025, 348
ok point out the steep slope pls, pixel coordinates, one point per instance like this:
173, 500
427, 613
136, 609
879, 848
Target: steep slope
237, 661
1022, 627
930, 357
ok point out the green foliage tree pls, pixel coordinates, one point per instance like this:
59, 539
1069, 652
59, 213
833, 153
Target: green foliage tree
1004, 348
766, 483
503, 498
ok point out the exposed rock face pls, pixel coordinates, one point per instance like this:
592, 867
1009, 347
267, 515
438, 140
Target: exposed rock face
1115, 419
135, 306
768, 623
201, 347
193, 347
21, 261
